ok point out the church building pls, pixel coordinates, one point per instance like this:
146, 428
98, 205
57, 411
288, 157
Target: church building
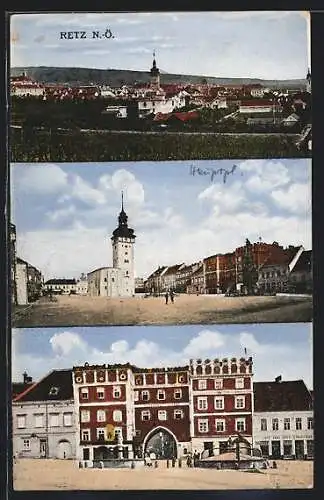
118, 280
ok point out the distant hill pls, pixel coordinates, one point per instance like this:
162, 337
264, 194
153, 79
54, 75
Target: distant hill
117, 77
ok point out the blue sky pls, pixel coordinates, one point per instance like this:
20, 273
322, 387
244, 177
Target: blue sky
268, 45
38, 350
65, 213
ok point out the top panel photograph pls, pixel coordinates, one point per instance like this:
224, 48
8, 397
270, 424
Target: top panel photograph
147, 86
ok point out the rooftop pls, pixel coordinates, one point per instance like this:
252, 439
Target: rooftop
55, 386
290, 395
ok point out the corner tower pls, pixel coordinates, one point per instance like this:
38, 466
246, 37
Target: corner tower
123, 240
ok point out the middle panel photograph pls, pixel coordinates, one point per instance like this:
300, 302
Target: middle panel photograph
175, 242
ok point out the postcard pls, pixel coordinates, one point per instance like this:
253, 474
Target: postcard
160, 86
222, 407
161, 242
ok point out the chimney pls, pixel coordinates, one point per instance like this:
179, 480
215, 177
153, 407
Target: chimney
27, 379
278, 379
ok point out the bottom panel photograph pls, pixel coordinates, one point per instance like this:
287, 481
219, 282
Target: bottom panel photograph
191, 407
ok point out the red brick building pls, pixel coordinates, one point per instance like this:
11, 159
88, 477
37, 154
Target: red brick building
221, 403
124, 411
220, 272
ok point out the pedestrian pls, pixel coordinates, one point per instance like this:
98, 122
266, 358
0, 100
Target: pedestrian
166, 297
172, 296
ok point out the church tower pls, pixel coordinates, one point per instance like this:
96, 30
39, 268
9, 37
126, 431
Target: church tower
309, 81
123, 240
155, 75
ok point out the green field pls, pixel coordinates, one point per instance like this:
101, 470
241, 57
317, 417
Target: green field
32, 145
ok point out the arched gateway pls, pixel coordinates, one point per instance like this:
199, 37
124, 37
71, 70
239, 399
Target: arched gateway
161, 442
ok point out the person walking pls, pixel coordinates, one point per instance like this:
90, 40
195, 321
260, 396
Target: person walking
172, 296
166, 297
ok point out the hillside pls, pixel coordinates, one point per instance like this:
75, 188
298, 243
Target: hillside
117, 77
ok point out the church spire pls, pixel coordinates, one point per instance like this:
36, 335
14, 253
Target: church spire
122, 205
123, 230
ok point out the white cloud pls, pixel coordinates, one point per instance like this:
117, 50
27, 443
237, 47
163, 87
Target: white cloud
297, 198
66, 343
70, 348
40, 178
204, 343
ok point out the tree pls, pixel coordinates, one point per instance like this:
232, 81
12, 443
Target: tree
250, 273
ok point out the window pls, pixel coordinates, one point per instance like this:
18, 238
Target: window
298, 424
240, 424
54, 391
84, 393
310, 423
239, 402
219, 384
146, 415
101, 434
275, 424
126, 261
39, 420
21, 421
117, 392
101, 416
85, 435
26, 444
161, 394
177, 394
100, 393
203, 425
287, 424
219, 403
202, 403
136, 396
117, 416
264, 426
145, 395
239, 383
162, 415
178, 415
54, 420
85, 416
220, 425
67, 419
202, 384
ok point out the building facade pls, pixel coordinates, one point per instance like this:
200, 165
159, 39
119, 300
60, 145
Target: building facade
283, 419
44, 418
126, 412
29, 282
61, 286
221, 403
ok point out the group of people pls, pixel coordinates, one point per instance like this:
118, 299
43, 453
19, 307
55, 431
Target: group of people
167, 295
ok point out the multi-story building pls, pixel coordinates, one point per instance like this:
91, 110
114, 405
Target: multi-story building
300, 279
29, 282
273, 275
283, 419
169, 277
104, 403
13, 262
197, 281
125, 411
61, 285
221, 403
44, 418
153, 283
183, 276
220, 273
162, 411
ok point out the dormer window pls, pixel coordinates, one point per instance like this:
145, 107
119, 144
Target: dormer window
53, 391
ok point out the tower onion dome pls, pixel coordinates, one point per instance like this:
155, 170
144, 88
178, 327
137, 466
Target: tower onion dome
123, 231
